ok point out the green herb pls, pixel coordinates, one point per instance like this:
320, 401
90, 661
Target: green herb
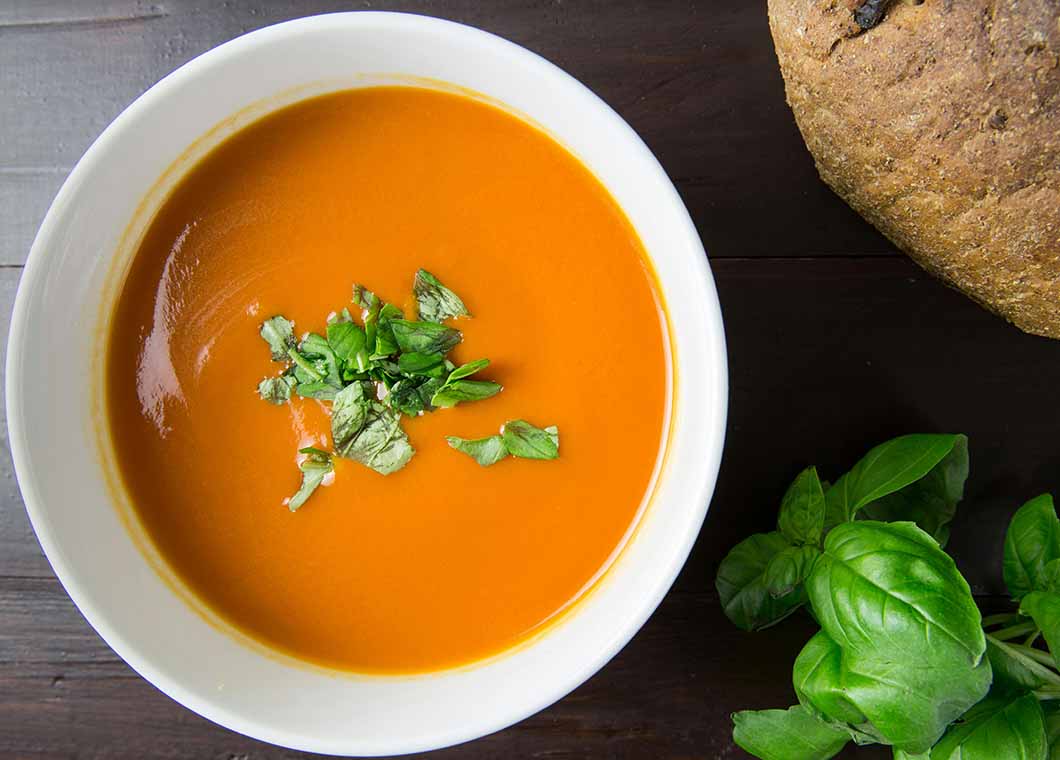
348, 344
385, 342
318, 390
886, 469
279, 334
424, 337
306, 371
485, 451
416, 363
453, 393
349, 411
434, 301
801, 517
742, 586
877, 614
518, 438
903, 657
457, 389
1032, 542
380, 444
524, 440
997, 729
412, 395
363, 297
276, 390
375, 372
792, 734
315, 466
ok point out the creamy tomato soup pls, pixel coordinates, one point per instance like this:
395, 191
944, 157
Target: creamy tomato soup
443, 562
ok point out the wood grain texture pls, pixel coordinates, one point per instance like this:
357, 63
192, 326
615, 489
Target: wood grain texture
835, 344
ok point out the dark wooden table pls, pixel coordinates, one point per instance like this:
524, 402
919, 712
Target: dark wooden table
836, 342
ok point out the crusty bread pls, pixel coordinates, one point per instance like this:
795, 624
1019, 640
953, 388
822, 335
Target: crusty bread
941, 126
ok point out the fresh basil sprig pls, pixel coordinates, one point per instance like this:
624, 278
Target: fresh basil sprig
903, 657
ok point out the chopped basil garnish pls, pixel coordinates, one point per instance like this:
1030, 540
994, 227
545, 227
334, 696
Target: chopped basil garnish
381, 444
485, 451
518, 438
385, 342
276, 390
434, 301
452, 393
279, 334
424, 337
373, 373
524, 440
315, 466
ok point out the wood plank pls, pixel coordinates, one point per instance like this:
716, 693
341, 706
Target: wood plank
25, 194
20, 554
698, 81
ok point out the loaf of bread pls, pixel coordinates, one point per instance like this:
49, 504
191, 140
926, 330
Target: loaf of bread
939, 122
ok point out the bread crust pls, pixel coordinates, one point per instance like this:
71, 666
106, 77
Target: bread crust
941, 126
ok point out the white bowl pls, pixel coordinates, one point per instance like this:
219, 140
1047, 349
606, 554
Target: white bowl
54, 367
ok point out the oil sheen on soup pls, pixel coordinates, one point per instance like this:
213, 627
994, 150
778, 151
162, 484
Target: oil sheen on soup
444, 562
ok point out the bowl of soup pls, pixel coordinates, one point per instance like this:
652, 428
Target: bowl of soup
366, 384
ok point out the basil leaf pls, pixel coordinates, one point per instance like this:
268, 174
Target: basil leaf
317, 347
819, 681
424, 337
412, 395
363, 297
1043, 607
278, 332
1051, 575
348, 342
349, 411
371, 322
416, 363
485, 451
899, 755
385, 342
1015, 672
276, 390
315, 466
526, 441
380, 443
321, 391
930, 502
741, 583
435, 302
452, 394
801, 517
1052, 728
792, 734
910, 633
787, 571
306, 371
466, 370
887, 468
1031, 543
1000, 727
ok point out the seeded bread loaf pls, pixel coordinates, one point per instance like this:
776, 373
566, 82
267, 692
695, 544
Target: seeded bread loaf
940, 124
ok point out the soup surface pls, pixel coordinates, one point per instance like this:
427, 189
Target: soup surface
443, 562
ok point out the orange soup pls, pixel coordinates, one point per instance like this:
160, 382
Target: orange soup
444, 562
